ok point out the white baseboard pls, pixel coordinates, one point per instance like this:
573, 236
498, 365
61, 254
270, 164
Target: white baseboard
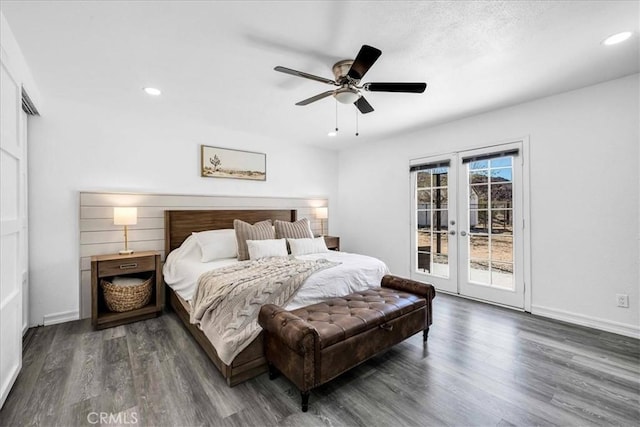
65, 316
625, 329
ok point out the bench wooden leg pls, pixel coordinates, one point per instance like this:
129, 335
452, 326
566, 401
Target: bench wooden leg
273, 372
425, 334
305, 400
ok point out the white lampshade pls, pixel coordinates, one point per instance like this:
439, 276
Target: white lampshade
322, 213
125, 216
346, 95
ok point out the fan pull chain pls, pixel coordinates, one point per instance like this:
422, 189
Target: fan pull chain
336, 116
357, 123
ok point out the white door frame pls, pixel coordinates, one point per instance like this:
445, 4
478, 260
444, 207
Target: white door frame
526, 209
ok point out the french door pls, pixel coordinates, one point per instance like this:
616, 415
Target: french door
468, 223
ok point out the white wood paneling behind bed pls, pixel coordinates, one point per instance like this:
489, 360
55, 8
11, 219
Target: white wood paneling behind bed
98, 235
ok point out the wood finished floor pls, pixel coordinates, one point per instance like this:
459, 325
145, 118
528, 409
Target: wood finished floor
482, 365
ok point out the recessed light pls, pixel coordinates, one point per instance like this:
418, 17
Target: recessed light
332, 134
152, 91
617, 38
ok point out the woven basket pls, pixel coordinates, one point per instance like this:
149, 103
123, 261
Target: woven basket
126, 298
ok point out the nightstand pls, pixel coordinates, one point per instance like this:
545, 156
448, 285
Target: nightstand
138, 264
332, 242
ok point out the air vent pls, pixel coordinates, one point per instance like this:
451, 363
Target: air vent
27, 104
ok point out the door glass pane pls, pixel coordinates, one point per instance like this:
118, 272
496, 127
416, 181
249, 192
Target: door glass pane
424, 262
440, 220
424, 199
440, 243
479, 176
424, 240
491, 222
424, 219
440, 265
501, 162
483, 164
479, 247
502, 274
501, 193
501, 248
478, 221
432, 210
440, 198
440, 177
479, 196
501, 221
501, 175
479, 271
440, 255
424, 179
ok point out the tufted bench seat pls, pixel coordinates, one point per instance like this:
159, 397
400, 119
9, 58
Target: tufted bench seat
315, 344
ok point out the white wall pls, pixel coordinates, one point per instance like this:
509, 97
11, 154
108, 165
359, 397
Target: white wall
15, 60
94, 147
584, 197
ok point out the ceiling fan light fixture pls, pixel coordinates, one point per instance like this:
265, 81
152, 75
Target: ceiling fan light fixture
348, 74
346, 95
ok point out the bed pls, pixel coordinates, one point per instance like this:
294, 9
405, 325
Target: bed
354, 272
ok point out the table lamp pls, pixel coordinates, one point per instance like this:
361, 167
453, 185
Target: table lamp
125, 216
322, 214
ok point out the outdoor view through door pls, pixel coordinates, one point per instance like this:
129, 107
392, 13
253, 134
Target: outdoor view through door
463, 235
433, 217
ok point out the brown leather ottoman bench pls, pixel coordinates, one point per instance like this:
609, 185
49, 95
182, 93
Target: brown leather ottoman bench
315, 344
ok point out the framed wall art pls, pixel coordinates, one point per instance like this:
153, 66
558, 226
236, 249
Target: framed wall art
216, 162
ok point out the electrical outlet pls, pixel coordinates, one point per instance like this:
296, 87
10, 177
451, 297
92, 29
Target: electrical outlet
623, 300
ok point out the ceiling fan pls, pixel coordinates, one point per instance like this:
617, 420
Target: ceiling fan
348, 74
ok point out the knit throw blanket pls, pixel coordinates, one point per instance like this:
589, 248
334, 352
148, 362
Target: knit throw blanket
228, 299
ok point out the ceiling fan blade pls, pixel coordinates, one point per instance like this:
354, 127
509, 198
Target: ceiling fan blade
365, 59
362, 105
315, 98
395, 87
305, 75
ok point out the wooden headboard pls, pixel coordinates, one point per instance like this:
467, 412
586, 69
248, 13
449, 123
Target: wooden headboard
178, 225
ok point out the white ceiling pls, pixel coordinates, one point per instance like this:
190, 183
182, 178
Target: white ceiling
214, 60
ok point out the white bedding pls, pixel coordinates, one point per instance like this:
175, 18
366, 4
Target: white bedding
355, 273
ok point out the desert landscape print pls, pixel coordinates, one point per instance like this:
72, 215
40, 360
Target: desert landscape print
217, 162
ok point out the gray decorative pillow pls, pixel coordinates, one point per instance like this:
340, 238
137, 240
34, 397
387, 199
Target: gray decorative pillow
244, 231
300, 229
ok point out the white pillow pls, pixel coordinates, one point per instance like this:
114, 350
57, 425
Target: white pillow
267, 248
307, 246
217, 244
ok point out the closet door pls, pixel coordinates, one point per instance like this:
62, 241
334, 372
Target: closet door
12, 229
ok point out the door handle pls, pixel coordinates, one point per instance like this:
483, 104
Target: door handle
463, 233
